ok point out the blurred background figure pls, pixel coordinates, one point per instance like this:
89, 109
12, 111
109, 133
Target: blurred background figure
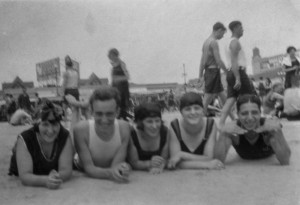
120, 77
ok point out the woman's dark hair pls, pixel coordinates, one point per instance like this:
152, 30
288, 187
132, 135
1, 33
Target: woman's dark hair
247, 98
105, 93
190, 98
290, 48
145, 110
47, 108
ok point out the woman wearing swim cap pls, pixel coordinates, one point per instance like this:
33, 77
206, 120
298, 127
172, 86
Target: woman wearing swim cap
193, 137
43, 154
148, 148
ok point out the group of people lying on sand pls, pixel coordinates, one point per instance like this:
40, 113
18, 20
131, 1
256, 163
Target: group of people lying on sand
108, 148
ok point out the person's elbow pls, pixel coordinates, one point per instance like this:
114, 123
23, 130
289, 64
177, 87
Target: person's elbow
286, 159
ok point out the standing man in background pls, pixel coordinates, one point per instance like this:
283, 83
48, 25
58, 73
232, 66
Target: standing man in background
70, 87
237, 78
211, 62
120, 77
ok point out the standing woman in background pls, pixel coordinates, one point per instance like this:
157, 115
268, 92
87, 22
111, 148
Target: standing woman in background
70, 87
291, 65
120, 77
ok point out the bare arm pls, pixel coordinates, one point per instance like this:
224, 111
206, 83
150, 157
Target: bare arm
134, 159
123, 66
202, 62
222, 146
280, 147
235, 48
81, 131
122, 151
66, 160
216, 52
277, 96
25, 167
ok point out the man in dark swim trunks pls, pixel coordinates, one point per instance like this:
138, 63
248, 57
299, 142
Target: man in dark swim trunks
211, 62
251, 136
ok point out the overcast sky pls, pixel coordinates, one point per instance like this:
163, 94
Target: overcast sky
154, 37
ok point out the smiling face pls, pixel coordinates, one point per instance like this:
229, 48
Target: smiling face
104, 112
249, 115
49, 128
192, 114
152, 126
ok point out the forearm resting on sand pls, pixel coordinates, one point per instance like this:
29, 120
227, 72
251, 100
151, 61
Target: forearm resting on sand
30, 179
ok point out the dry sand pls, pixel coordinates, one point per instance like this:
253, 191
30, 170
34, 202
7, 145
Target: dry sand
242, 182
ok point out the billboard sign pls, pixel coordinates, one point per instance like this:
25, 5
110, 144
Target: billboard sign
48, 70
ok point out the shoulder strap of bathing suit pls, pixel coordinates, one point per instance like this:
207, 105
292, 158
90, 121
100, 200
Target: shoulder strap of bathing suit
176, 128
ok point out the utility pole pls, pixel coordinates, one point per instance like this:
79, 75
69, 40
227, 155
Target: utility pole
184, 77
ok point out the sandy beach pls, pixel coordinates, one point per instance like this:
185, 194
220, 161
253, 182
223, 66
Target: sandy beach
242, 182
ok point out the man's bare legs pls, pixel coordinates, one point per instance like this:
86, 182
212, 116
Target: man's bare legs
223, 98
226, 110
208, 97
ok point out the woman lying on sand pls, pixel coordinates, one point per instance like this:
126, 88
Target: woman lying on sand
148, 148
252, 136
43, 154
192, 137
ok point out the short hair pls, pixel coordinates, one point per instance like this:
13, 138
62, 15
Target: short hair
104, 93
113, 51
247, 98
190, 98
218, 26
234, 24
145, 110
290, 48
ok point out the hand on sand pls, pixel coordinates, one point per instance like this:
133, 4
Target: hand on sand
157, 161
237, 85
272, 124
54, 181
174, 161
232, 128
120, 172
215, 164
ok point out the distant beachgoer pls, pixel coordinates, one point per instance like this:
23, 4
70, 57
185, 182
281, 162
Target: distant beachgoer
291, 65
101, 143
148, 148
252, 136
273, 97
291, 100
11, 106
211, 63
71, 87
43, 154
193, 137
24, 101
120, 77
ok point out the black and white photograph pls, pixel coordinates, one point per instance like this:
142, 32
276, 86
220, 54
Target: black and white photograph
141, 102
